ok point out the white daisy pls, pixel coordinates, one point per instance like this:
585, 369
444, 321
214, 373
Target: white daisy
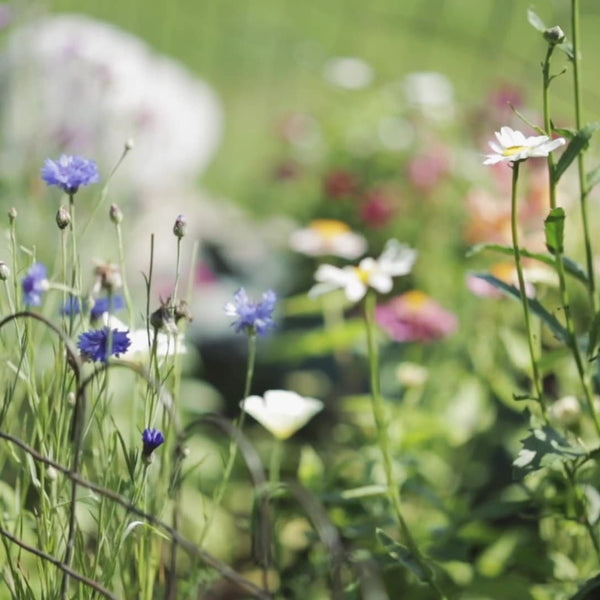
513, 146
395, 260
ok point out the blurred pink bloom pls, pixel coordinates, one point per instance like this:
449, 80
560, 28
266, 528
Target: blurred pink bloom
340, 184
379, 208
415, 317
426, 171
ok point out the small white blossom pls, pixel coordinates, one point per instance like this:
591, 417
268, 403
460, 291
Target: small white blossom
396, 260
513, 146
282, 412
328, 237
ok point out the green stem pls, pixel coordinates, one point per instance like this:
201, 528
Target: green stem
583, 191
384, 444
124, 277
233, 447
537, 380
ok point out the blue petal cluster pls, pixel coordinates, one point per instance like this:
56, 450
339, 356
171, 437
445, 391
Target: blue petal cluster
252, 316
94, 344
152, 439
70, 172
35, 283
103, 305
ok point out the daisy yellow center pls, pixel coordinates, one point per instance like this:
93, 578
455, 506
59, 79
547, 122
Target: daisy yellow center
512, 150
363, 274
416, 298
329, 228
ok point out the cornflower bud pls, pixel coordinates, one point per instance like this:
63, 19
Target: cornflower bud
116, 216
12, 214
180, 226
4, 271
63, 218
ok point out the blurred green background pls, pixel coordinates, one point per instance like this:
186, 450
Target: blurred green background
265, 57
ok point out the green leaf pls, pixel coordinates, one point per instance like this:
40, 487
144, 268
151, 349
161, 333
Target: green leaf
594, 335
554, 226
566, 132
589, 590
544, 448
592, 178
557, 329
577, 145
403, 555
535, 21
571, 267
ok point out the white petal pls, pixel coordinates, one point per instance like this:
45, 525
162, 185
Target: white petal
381, 282
396, 259
355, 289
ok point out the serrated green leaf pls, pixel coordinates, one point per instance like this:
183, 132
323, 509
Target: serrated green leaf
543, 448
403, 555
535, 21
557, 329
554, 227
577, 145
590, 590
571, 267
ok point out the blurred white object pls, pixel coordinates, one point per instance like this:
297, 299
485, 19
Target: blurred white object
430, 92
325, 237
348, 72
282, 412
77, 84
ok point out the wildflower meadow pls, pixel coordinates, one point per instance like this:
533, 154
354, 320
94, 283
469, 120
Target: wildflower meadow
348, 349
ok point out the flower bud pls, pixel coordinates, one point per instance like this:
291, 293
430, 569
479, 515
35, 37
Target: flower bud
51, 473
180, 226
4, 271
566, 411
129, 144
63, 218
554, 35
12, 214
116, 216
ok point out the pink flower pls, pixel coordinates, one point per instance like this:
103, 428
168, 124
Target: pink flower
426, 171
340, 184
379, 208
415, 317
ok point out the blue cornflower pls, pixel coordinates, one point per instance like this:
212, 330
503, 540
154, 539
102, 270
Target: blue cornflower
252, 316
103, 305
70, 172
94, 344
71, 307
35, 283
152, 439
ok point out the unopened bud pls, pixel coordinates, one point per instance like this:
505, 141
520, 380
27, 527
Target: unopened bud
51, 473
180, 226
12, 214
554, 35
116, 216
129, 144
71, 399
63, 218
4, 271
566, 411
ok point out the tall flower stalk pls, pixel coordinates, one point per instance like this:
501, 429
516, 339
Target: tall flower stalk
384, 444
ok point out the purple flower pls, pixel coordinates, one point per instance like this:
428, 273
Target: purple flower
94, 344
35, 283
70, 172
71, 307
152, 439
103, 305
252, 316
